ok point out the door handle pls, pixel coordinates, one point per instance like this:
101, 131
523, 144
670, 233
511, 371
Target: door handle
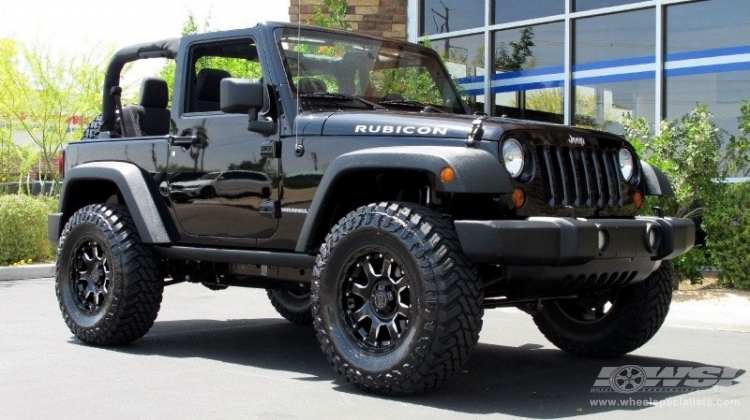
185, 141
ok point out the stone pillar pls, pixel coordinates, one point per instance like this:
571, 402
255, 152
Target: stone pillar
386, 18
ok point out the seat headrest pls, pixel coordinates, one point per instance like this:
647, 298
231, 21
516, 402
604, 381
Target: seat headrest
154, 93
207, 83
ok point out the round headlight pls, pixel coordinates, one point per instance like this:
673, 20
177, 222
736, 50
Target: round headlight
626, 163
513, 157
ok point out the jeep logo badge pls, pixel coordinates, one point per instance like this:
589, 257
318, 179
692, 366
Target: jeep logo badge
576, 140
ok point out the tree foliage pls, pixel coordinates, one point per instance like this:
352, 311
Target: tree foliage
332, 14
49, 97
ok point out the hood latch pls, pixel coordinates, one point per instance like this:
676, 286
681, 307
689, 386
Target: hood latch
475, 134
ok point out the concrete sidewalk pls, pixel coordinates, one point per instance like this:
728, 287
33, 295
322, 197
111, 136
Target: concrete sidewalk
25, 272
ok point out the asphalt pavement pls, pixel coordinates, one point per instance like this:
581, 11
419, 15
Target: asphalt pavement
228, 355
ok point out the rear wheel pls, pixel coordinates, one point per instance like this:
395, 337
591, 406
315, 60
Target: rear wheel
609, 323
295, 306
396, 304
107, 284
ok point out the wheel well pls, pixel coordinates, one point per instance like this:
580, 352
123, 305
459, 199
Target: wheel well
81, 193
360, 188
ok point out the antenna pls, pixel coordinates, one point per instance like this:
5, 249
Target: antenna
299, 149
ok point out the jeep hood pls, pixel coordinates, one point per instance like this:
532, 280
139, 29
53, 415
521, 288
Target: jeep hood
434, 125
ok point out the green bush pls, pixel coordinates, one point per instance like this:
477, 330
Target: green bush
689, 151
727, 223
23, 228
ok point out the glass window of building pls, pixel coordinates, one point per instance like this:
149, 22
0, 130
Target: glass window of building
581, 5
707, 59
528, 72
614, 68
464, 58
442, 16
517, 10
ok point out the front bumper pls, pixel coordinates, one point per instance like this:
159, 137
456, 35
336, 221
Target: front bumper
562, 241
601, 252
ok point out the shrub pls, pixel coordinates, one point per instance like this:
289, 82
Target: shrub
728, 226
23, 228
689, 151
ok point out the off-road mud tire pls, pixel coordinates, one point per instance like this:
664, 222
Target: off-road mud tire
117, 300
293, 306
637, 313
438, 313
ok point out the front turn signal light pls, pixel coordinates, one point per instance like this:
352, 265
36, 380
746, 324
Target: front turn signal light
638, 200
519, 198
447, 174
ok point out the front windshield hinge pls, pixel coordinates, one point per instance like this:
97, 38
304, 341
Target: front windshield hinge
475, 134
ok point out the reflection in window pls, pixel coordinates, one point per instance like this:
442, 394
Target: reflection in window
442, 16
581, 5
706, 60
515, 10
614, 69
528, 72
464, 58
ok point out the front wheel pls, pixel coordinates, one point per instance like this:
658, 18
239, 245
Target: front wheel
396, 304
107, 282
609, 323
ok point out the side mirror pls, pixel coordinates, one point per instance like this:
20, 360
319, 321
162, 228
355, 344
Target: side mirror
239, 96
246, 96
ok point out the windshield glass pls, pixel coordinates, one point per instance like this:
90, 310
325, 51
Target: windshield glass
328, 67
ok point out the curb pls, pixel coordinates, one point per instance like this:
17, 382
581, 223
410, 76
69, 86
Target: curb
24, 272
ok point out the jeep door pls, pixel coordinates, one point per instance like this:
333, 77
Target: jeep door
225, 214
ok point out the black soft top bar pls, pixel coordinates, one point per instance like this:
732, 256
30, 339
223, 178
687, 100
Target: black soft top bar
166, 48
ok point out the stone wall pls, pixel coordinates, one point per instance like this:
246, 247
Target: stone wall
386, 18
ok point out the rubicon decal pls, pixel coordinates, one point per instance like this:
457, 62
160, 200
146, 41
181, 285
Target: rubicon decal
401, 129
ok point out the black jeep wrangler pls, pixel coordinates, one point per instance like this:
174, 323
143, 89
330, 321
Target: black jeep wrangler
345, 175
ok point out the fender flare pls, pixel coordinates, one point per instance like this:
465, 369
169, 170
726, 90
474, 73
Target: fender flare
655, 181
134, 189
475, 171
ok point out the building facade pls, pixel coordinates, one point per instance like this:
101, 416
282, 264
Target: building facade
387, 18
589, 62
582, 62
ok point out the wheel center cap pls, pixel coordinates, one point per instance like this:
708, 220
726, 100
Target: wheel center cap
380, 299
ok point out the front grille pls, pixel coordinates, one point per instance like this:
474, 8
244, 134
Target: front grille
580, 176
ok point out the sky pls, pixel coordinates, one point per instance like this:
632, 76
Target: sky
80, 25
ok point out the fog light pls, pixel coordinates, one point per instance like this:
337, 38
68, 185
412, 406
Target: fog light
603, 241
653, 238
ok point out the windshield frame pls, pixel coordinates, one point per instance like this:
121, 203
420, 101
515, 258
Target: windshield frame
348, 60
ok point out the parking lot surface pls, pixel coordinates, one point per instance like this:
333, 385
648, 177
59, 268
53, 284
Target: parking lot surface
228, 355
